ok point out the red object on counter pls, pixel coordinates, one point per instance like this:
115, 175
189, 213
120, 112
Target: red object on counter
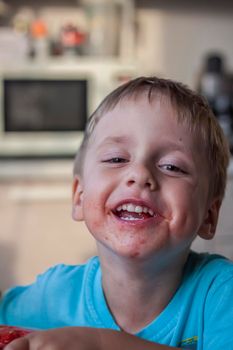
9, 333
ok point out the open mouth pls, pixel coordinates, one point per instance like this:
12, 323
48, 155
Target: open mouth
132, 212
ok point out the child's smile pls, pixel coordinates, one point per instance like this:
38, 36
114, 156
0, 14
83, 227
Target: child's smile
134, 211
145, 180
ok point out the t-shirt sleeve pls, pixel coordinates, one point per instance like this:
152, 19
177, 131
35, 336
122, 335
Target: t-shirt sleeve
27, 306
218, 319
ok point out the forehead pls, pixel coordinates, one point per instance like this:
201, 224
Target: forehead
134, 111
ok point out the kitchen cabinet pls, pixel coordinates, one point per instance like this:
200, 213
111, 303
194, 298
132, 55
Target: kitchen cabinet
37, 230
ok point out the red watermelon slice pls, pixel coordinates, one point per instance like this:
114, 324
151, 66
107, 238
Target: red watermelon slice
9, 333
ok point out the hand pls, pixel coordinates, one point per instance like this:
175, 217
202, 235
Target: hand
82, 338
69, 338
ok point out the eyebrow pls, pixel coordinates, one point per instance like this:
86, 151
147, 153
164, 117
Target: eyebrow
170, 146
115, 139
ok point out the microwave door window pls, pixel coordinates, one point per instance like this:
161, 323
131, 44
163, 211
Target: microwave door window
45, 105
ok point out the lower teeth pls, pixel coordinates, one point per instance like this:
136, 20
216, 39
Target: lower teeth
131, 219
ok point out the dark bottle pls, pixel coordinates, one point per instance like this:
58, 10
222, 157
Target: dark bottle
215, 86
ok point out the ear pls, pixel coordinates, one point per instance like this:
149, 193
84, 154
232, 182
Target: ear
77, 199
208, 227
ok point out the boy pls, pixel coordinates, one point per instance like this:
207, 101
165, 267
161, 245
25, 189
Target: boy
149, 177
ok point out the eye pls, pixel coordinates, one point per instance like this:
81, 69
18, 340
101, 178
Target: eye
172, 168
115, 160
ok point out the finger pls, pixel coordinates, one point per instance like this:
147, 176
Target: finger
18, 344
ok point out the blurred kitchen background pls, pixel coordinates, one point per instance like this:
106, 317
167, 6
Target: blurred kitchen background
58, 59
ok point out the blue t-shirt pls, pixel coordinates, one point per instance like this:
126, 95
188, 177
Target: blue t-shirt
199, 316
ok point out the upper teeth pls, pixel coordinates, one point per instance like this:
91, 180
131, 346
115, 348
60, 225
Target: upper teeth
135, 208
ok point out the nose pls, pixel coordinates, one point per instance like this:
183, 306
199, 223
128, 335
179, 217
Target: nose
141, 176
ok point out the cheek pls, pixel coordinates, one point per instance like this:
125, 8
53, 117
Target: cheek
94, 210
187, 217
183, 211
96, 184
91, 210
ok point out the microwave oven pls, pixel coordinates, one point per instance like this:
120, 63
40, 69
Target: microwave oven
44, 108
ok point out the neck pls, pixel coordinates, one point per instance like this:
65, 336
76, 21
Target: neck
137, 291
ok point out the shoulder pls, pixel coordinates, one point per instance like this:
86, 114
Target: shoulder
55, 291
207, 287
213, 286
211, 270
209, 262
56, 279
63, 272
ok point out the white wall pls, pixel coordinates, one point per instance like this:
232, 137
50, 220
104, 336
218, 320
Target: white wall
173, 43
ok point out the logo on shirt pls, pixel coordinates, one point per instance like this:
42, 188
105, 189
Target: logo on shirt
189, 343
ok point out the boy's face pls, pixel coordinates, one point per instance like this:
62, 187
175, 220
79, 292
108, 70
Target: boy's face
145, 184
